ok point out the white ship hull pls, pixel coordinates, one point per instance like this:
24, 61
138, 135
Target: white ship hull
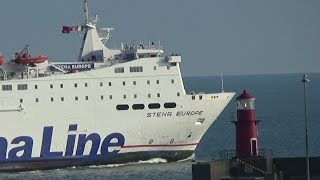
129, 105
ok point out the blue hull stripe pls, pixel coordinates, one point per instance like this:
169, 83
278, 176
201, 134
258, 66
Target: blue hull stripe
63, 162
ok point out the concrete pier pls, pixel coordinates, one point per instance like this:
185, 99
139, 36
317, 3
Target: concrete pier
256, 168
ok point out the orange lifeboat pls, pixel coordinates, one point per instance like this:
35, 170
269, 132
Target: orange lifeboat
1, 60
24, 57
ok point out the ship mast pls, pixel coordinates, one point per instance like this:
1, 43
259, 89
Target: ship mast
86, 10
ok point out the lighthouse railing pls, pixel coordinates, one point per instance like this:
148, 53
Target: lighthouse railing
231, 153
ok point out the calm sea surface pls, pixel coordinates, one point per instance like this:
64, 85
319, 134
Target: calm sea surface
279, 106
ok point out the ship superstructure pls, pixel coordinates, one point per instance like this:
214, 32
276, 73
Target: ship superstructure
110, 106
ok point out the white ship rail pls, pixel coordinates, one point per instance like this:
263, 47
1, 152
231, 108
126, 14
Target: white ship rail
141, 45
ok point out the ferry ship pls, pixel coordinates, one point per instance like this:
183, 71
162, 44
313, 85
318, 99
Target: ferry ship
110, 106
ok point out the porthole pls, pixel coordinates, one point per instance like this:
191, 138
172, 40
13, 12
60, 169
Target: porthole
122, 107
170, 105
138, 106
154, 106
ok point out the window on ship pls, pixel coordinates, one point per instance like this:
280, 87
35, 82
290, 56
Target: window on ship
170, 105
22, 86
119, 70
6, 87
154, 106
138, 106
122, 107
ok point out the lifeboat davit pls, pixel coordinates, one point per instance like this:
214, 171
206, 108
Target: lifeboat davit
24, 57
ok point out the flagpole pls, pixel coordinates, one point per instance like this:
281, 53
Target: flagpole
305, 79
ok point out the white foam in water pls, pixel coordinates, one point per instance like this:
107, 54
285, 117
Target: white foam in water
192, 157
150, 161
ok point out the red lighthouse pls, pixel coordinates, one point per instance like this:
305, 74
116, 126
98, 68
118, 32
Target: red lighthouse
246, 126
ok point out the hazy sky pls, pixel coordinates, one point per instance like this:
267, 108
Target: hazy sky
228, 36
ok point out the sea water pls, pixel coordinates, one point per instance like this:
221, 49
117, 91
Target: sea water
279, 106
